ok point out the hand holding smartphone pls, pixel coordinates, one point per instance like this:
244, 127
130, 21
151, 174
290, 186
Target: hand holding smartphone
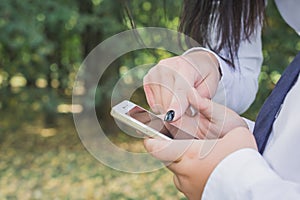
146, 122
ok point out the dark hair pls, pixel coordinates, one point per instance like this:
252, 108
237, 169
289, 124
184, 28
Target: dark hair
231, 21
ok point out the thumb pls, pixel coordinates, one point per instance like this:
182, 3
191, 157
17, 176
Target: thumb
167, 150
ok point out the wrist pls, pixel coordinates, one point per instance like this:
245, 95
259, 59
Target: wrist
199, 56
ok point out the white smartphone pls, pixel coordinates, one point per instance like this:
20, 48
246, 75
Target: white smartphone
146, 122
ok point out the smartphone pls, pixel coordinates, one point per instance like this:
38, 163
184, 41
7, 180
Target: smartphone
146, 122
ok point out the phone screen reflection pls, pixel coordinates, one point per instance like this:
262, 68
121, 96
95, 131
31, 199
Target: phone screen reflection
158, 124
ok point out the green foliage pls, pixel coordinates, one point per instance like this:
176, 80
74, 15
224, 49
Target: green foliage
42, 44
156, 13
280, 45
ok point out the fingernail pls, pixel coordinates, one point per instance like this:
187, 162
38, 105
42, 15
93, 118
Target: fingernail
191, 111
169, 116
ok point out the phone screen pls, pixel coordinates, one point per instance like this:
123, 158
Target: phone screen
158, 124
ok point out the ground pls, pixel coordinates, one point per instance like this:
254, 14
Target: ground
40, 163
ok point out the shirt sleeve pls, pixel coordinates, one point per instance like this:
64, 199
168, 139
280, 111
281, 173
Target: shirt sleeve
250, 124
238, 87
245, 175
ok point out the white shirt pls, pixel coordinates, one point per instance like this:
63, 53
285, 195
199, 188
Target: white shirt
245, 174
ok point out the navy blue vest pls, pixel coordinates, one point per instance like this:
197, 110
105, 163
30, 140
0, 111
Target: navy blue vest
272, 105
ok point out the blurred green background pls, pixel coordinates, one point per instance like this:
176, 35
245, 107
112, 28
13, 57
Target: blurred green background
42, 45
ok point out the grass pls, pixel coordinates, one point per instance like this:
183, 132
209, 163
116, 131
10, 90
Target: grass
40, 163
